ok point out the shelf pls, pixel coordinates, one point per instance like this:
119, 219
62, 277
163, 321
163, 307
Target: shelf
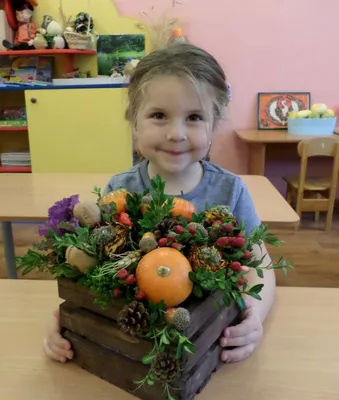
15, 169
44, 52
13, 128
56, 87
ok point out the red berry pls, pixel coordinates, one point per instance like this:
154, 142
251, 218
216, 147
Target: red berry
236, 266
162, 242
170, 238
227, 227
140, 295
247, 254
192, 230
242, 280
122, 274
218, 222
179, 229
130, 280
117, 292
176, 246
239, 241
240, 234
223, 241
231, 241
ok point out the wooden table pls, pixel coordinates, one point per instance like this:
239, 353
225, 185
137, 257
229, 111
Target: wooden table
296, 360
27, 197
260, 140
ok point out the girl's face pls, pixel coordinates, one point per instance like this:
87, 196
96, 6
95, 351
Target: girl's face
174, 124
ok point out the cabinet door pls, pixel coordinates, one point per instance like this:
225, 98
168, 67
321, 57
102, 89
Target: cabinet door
78, 130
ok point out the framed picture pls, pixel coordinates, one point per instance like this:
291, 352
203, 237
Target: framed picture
273, 108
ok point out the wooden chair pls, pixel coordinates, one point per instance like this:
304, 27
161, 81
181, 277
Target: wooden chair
315, 194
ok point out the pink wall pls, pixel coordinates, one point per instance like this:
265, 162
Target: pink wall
263, 45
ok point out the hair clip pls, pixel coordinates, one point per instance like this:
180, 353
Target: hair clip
228, 92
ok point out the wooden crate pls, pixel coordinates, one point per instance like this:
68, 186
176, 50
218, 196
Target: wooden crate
101, 348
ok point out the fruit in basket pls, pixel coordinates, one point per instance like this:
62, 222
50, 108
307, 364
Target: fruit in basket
328, 114
317, 111
319, 108
163, 274
303, 114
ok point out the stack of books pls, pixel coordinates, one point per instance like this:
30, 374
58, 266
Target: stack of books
20, 159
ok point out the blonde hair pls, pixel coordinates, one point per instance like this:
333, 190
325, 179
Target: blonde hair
182, 60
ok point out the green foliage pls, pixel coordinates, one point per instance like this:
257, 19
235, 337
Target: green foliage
159, 207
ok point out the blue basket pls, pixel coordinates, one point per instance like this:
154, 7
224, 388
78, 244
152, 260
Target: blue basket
311, 126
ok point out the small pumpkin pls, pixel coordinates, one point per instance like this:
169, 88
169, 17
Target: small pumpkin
117, 196
184, 208
181, 207
163, 274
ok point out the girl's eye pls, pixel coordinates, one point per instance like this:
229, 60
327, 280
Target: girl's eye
195, 117
158, 115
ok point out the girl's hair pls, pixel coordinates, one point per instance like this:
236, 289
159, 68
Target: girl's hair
183, 60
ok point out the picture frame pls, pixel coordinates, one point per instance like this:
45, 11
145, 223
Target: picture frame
273, 108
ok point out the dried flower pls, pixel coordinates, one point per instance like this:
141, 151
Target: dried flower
61, 211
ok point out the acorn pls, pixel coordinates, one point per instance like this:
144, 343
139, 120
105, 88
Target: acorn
179, 317
148, 242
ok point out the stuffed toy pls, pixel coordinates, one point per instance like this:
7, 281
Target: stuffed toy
25, 28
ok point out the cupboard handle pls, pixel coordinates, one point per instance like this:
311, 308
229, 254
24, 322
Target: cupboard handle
33, 100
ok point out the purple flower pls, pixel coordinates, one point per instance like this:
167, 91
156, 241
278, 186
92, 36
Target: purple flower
61, 211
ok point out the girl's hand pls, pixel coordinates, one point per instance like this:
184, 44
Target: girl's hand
244, 336
54, 345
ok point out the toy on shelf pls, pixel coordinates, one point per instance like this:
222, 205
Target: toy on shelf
51, 31
149, 284
13, 117
26, 29
79, 34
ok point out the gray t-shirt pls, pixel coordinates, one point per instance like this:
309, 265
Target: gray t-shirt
217, 187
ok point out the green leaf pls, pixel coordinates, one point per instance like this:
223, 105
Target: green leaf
256, 288
182, 339
254, 295
197, 291
164, 339
178, 353
150, 382
147, 359
260, 272
192, 276
239, 300
188, 350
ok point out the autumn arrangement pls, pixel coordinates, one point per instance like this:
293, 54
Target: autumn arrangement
157, 254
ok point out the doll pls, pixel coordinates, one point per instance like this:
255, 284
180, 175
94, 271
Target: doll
26, 30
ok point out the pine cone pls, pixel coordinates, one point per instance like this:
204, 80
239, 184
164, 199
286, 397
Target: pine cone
206, 256
165, 367
134, 318
162, 228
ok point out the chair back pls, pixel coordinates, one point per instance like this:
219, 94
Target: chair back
323, 146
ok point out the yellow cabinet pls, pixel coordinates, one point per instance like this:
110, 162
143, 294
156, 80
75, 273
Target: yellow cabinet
78, 130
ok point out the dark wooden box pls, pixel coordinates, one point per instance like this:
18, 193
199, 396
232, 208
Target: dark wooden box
101, 348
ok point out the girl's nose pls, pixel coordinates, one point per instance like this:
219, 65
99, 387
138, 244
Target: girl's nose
177, 132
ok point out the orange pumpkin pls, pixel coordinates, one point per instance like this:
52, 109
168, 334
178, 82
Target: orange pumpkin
117, 196
180, 207
162, 274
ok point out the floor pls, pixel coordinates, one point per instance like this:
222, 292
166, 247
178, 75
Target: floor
315, 253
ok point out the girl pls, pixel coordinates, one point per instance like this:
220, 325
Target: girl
176, 99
